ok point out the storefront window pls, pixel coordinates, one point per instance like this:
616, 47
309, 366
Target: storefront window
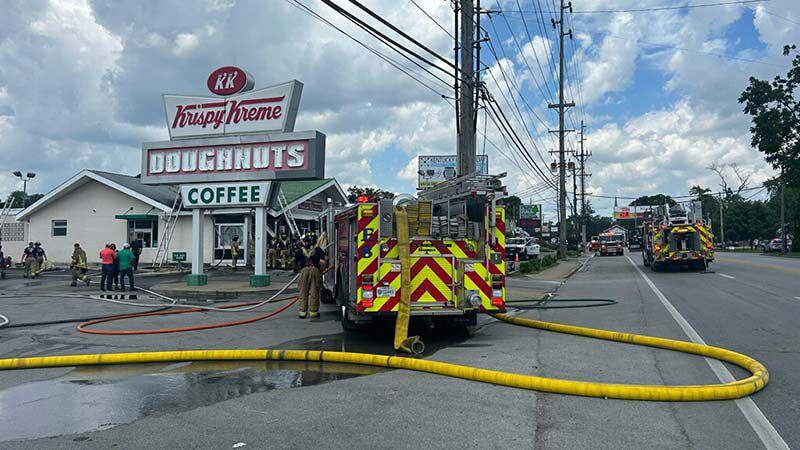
146, 230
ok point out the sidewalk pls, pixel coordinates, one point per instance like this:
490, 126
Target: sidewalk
223, 284
536, 286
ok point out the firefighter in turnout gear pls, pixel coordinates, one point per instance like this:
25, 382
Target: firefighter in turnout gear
29, 260
311, 260
234, 253
78, 266
41, 257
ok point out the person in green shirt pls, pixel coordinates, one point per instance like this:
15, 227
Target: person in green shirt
125, 258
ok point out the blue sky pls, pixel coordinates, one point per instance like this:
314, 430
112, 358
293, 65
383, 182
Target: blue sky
81, 84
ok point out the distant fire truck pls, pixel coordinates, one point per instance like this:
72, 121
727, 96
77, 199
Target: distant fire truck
457, 247
678, 236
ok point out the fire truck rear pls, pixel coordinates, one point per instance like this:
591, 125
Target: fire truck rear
457, 248
678, 236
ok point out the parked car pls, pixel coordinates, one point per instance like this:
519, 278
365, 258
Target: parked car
775, 245
526, 248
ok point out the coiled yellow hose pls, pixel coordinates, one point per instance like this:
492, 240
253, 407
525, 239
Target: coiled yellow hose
732, 390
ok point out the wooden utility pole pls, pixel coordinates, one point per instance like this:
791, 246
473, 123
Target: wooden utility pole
466, 109
561, 106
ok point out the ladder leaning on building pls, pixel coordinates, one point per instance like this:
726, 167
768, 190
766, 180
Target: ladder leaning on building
171, 219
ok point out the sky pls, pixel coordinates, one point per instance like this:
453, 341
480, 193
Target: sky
81, 84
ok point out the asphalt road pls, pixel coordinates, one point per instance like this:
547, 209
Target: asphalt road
215, 405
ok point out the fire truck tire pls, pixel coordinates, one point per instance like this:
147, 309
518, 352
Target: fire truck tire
347, 323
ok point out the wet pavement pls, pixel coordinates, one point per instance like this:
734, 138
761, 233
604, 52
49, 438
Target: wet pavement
98, 398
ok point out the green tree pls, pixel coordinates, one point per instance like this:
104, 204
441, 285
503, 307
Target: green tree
512, 203
353, 192
775, 110
658, 199
20, 200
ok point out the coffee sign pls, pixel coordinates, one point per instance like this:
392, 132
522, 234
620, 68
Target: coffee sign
272, 109
225, 195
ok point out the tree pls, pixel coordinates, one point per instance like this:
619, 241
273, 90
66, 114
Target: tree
775, 113
658, 199
20, 200
353, 192
512, 203
742, 175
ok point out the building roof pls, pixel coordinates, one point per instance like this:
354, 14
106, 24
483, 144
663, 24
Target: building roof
159, 198
164, 194
298, 191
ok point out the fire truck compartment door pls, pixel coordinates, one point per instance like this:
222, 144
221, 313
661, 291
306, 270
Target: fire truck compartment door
432, 279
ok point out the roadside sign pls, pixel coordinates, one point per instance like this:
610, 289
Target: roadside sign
219, 195
434, 169
179, 256
530, 212
281, 156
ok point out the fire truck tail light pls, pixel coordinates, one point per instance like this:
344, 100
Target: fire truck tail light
368, 295
366, 279
367, 303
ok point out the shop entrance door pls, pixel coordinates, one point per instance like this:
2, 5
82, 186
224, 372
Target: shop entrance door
222, 242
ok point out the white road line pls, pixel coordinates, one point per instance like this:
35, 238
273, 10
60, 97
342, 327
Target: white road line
758, 421
726, 276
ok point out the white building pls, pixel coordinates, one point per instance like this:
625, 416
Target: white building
94, 208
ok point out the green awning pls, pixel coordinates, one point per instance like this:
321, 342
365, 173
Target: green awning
136, 217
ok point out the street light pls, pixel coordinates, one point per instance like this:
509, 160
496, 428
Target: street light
28, 176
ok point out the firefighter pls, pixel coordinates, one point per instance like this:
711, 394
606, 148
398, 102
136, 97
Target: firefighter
79, 266
285, 249
3, 263
41, 257
29, 260
311, 259
234, 252
272, 254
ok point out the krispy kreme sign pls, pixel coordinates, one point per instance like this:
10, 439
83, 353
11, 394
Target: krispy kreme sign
276, 156
271, 109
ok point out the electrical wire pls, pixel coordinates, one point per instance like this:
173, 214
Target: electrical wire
664, 8
432, 19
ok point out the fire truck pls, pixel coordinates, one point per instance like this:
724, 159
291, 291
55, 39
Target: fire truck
457, 254
678, 236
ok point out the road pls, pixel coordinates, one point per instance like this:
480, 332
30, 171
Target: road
745, 303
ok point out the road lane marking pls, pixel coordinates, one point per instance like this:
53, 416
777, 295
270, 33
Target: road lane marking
755, 264
755, 417
726, 276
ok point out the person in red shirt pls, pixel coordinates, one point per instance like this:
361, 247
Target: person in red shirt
107, 256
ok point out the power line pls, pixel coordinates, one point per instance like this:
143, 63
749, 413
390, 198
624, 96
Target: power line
432, 18
380, 55
666, 8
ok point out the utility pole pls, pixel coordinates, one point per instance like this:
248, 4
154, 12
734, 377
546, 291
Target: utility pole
562, 191
783, 214
582, 157
466, 103
574, 199
721, 222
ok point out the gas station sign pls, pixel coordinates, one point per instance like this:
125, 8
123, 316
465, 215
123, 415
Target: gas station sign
225, 195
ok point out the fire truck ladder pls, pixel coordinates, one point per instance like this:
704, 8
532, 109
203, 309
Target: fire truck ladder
287, 212
169, 230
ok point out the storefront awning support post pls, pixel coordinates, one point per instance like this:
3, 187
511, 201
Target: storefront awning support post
197, 277
260, 277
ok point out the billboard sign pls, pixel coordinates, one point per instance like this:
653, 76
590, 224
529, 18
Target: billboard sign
631, 212
530, 212
225, 195
281, 156
434, 169
272, 109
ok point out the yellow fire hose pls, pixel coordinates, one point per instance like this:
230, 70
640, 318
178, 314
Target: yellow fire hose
735, 389
402, 341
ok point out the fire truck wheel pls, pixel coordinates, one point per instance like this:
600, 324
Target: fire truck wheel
347, 323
